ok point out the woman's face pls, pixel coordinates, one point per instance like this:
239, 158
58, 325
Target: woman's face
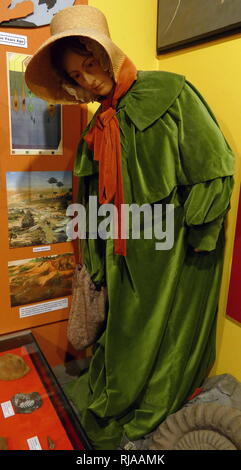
87, 72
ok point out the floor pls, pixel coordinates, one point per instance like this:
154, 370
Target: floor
69, 371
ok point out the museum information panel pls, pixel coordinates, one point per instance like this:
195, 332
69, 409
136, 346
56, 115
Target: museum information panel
37, 151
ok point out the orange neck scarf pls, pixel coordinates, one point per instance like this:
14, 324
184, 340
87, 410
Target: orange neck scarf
104, 140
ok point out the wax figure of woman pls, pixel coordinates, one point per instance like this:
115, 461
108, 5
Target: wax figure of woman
154, 140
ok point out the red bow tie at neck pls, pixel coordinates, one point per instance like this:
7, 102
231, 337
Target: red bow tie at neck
105, 136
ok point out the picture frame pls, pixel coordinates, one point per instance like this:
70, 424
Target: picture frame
36, 126
37, 203
182, 23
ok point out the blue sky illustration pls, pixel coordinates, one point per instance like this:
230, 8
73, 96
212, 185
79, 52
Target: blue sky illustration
42, 15
17, 180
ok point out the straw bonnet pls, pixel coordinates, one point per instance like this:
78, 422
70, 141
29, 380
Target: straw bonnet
79, 20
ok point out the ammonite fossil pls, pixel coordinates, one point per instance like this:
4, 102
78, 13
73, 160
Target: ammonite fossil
12, 367
206, 426
26, 402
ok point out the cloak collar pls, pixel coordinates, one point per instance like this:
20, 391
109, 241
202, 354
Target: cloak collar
150, 96
146, 101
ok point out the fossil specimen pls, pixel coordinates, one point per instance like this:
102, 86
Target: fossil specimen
3, 443
26, 402
12, 367
51, 444
206, 426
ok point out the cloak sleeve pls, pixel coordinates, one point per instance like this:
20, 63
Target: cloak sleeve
205, 167
204, 209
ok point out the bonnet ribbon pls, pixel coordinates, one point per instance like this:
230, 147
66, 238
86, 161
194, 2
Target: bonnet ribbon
104, 140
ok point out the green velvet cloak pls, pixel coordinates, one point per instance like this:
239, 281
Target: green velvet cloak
159, 341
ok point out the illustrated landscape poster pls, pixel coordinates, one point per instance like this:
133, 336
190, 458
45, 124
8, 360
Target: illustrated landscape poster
38, 279
30, 13
37, 203
35, 124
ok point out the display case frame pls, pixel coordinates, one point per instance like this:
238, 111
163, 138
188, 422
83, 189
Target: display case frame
64, 415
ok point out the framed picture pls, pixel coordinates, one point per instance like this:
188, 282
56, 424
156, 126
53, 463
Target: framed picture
40, 279
35, 124
183, 23
37, 203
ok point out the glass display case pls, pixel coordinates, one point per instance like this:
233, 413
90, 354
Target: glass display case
35, 414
